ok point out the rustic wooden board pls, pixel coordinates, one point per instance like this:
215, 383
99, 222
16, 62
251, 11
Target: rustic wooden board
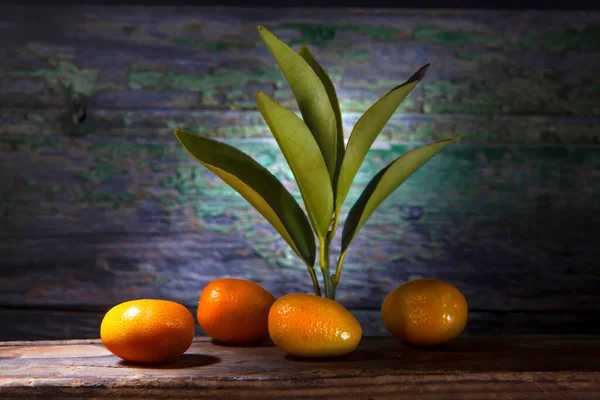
471, 368
495, 62
98, 204
49, 324
502, 223
234, 125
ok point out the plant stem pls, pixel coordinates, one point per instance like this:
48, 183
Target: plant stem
315, 282
328, 239
333, 230
324, 264
338, 269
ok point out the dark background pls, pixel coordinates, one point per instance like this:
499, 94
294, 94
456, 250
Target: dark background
99, 204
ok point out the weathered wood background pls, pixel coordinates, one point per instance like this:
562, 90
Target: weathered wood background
99, 204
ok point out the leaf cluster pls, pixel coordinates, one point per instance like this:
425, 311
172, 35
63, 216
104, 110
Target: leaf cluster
323, 166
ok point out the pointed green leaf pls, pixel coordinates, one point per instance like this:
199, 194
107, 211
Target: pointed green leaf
333, 99
384, 183
310, 95
366, 131
304, 158
259, 187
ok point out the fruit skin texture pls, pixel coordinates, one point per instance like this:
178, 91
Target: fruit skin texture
305, 325
425, 312
148, 330
234, 310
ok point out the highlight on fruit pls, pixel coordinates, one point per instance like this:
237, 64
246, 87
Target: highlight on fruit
323, 165
305, 325
425, 312
148, 330
235, 311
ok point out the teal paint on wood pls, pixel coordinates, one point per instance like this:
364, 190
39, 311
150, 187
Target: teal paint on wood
66, 77
434, 33
534, 91
323, 34
483, 57
402, 127
129, 29
228, 66
556, 40
216, 85
570, 39
530, 204
111, 159
508, 214
212, 46
359, 55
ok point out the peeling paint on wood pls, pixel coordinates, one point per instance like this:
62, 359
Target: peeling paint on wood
144, 123
147, 206
544, 65
90, 96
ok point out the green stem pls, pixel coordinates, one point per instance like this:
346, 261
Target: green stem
324, 264
336, 220
315, 282
328, 239
338, 269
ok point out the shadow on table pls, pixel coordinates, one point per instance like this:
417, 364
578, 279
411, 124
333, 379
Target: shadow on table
468, 355
264, 343
185, 361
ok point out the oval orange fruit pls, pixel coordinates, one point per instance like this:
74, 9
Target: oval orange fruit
234, 310
425, 312
306, 325
148, 330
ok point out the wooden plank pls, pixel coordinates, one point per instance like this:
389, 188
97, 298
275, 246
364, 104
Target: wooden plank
483, 368
90, 95
514, 228
51, 324
483, 62
229, 125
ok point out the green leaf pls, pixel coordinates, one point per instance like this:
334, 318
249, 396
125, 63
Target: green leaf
257, 185
366, 131
310, 95
333, 99
306, 162
384, 183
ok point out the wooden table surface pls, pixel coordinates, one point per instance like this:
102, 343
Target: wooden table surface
515, 367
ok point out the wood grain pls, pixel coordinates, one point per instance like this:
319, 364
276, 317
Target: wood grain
99, 204
499, 222
156, 123
483, 368
494, 62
